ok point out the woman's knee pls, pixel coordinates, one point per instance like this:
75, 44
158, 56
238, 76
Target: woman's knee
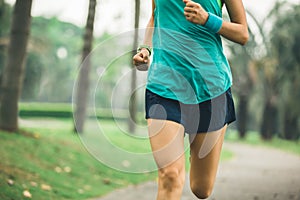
201, 191
171, 178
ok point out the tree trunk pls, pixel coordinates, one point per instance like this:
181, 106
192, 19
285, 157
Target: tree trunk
242, 116
12, 78
269, 120
83, 83
2, 45
133, 98
291, 131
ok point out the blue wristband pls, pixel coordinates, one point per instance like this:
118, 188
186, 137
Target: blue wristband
213, 23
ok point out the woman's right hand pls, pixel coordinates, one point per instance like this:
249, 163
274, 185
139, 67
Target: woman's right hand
142, 60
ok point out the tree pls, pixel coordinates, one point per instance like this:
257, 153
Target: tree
270, 116
12, 78
281, 110
244, 71
82, 92
53, 52
5, 13
285, 42
269, 123
244, 78
133, 98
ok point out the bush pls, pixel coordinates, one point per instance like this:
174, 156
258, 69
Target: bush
65, 110
36, 109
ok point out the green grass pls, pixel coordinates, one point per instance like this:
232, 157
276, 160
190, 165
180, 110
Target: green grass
34, 109
52, 155
29, 106
253, 138
46, 152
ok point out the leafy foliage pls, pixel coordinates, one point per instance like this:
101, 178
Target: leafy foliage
54, 53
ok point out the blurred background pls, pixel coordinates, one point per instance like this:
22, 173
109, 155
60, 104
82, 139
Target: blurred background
52, 86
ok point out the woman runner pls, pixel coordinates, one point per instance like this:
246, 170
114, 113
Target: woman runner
188, 88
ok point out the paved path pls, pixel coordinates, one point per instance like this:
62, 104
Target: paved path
255, 173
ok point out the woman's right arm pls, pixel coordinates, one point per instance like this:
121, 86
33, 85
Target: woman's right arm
143, 56
150, 27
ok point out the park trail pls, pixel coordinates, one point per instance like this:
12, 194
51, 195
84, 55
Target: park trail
255, 173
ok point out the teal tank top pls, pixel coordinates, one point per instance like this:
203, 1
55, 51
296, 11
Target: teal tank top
188, 63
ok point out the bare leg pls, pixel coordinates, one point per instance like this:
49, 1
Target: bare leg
167, 142
205, 155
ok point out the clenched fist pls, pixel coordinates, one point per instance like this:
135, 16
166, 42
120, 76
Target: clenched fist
142, 60
194, 12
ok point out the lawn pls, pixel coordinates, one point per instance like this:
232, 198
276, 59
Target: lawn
49, 161
253, 138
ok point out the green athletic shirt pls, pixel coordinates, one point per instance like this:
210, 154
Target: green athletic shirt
188, 64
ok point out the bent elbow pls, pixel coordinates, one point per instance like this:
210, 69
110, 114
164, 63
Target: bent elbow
244, 38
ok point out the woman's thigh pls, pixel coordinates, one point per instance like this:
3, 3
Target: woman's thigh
167, 142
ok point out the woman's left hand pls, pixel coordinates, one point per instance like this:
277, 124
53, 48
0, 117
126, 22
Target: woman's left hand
194, 12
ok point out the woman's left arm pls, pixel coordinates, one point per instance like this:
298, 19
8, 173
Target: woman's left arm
237, 29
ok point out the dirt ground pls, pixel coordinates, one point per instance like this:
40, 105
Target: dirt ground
255, 173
